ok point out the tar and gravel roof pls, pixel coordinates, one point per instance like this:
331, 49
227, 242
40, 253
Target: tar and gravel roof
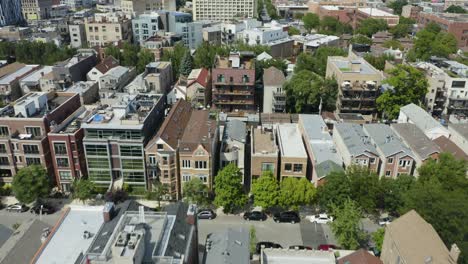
229, 246
355, 139
290, 141
236, 130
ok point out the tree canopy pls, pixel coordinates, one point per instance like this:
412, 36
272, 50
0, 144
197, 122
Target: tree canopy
157, 193
35, 52
393, 43
293, 31
265, 190
296, 192
397, 6
370, 26
332, 26
195, 191
346, 225
175, 57
455, 9
361, 39
31, 183
409, 85
228, 189
83, 189
186, 64
311, 21
317, 61
378, 61
431, 41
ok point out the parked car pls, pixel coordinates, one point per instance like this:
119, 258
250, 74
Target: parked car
206, 214
46, 209
19, 208
266, 244
287, 217
321, 219
326, 247
385, 221
300, 247
255, 215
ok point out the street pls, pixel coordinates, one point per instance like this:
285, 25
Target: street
8, 219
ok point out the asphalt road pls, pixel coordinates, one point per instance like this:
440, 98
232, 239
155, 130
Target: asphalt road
8, 219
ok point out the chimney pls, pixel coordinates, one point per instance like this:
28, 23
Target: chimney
454, 253
191, 214
108, 211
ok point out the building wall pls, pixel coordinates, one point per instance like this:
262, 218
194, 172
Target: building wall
259, 159
242, 94
190, 172
391, 20
458, 29
10, 12
77, 35
393, 169
458, 139
285, 172
103, 33
36, 9
145, 26
223, 10
166, 167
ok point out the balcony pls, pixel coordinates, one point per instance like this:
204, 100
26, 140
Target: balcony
232, 92
233, 102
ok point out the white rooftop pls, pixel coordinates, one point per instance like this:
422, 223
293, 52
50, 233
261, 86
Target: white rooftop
11, 77
422, 119
36, 75
376, 12
290, 141
292, 256
330, 7
67, 242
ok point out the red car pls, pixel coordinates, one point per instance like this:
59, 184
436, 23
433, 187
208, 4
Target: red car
326, 247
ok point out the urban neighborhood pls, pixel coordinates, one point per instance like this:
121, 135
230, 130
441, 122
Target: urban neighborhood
233, 131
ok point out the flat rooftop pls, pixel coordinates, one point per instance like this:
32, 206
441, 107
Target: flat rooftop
67, 243
344, 65
416, 140
290, 141
374, 12
37, 74
11, 77
292, 256
263, 142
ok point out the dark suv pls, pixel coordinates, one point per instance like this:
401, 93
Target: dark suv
255, 215
266, 244
46, 209
286, 217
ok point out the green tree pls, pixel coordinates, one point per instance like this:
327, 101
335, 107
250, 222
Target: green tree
144, 58
294, 192
195, 191
378, 61
157, 193
361, 39
397, 6
346, 225
113, 51
31, 183
291, 31
365, 187
332, 26
305, 61
401, 30
228, 189
175, 57
253, 239
409, 86
455, 9
130, 55
335, 191
311, 21
321, 56
431, 41
378, 237
370, 26
186, 64
265, 190
205, 56
83, 189
448, 170
393, 43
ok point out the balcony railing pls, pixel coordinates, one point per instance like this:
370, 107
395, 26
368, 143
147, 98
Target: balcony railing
233, 102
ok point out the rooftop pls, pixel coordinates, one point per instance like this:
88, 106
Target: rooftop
422, 119
293, 256
235, 130
273, 77
263, 142
200, 129
290, 141
450, 16
360, 256
37, 74
229, 246
446, 145
6, 80
344, 64
385, 139
355, 139
461, 128
10, 68
81, 87
108, 63
374, 12
414, 137
117, 71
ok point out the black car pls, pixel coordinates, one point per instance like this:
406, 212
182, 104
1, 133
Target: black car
255, 215
266, 244
46, 209
300, 247
286, 217
206, 214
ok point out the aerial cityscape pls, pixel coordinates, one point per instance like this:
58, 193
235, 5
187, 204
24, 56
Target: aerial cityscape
233, 131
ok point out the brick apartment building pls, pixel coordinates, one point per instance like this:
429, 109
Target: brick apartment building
23, 130
233, 81
456, 24
264, 152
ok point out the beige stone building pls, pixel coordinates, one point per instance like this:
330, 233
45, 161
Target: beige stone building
36, 9
264, 152
107, 28
161, 153
137, 7
293, 156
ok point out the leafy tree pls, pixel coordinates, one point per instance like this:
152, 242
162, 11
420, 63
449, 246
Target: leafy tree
175, 57
205, 56
401, 30
144, 58
305, 61
346, 225
311, 21
431, 41
291, 31
335, 191
157, 193
378, 61
409, 86
393, 43
253, 239
113, 51
83, 189
448, 170
378, 237
361, 39
35, 52
332, 26
31, 183
261, 65
130, 55
397, 6
294, 192
370, 26
455, 9
228, 189
187, 64
195, 191
265, 190
7, 49
365, 187
317, 62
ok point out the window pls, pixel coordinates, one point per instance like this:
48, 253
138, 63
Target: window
390, 160
186, 164
31, 149
372, 160
203, 178
245, 78
388, 173
160, 146
33, 161
3, 148
200, 164
404, 163
34, 131
117, 29
62, 162
220, 78
65, 175
4, 161
152, 159
268, 167
4, 131
131, 151
288, 167
96, 150
132, 164
186, 178
297, 167
60, 148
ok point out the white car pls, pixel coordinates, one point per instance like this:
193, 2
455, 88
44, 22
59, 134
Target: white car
385, 221
321, 219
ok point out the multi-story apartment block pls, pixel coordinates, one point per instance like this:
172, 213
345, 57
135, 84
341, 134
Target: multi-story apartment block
358, 84
145, 26
108, 28
411, 11
264, 152
115, 79
36, 9
102, 68
416, 115
157, 78
422, 147
233, 142
77, 34
212, 35
274, 96
369, 12
77, 4
264, 35
162, 160
293, 156
355, 146
24, 126
395, 157
223, 10
10, 84
323, 156
115, 136
233, 81
456, 24
14, 33
459, 135
231, 29
137, 7
182, 25
10, 13
198, 149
